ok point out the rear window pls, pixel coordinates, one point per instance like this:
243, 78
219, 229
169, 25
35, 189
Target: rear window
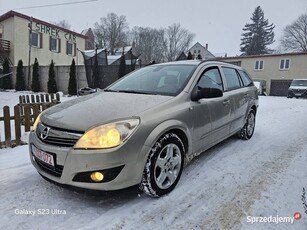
247, 81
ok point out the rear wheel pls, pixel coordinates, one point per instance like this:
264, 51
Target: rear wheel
164, 166
248, 129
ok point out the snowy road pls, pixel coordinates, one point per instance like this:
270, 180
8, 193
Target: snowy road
221, 189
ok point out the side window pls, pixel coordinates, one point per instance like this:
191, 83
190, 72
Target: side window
247, 81
211, 78
232, 78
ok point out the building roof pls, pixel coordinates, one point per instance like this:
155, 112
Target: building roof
91, 53
119, 51
197, 43
266, 55
12, 13
204, 48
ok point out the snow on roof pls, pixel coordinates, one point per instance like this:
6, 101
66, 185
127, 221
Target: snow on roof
120, 50
84, 32
91, 53
113, 58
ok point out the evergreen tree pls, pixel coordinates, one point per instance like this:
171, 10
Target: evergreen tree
190, 57
122, 67
6, 81
51, 85
72, 85
35, 86
257, 35
20, 78
199, 57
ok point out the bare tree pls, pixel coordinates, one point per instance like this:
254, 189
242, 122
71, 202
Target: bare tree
295, 35
64, 24
149, 43
111, 32
178, 40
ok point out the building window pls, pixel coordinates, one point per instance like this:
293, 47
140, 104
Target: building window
71, 48
36, 39
259, 65
55, 44
284, 64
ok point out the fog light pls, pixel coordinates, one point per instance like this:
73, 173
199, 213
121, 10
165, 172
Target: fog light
97, 176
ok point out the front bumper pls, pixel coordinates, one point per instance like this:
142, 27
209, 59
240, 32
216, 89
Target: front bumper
297, 93
122, 166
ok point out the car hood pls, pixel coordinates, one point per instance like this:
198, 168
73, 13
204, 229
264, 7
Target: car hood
82, 113
298, 87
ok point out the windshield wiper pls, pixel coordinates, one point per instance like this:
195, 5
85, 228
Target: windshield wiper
133, 91
129, 91
109, 90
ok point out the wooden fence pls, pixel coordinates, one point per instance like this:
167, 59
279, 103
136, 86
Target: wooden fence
25, 113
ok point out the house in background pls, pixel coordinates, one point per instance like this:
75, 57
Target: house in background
201, 50
278, 70
90, 39
182, 56
48, 41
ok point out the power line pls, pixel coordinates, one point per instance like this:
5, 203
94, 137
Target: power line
57, 4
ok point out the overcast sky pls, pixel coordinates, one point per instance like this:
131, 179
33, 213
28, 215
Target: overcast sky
218, 23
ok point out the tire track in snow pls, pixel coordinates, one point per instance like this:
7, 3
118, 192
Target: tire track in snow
230, 214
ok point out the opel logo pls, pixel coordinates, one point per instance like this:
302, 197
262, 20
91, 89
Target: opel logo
43, 131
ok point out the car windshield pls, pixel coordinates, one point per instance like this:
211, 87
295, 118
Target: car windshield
299, 83
156, 79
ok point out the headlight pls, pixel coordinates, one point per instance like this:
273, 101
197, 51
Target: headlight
108, 135
36, 122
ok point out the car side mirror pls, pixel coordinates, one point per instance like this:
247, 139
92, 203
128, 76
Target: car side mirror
200, 93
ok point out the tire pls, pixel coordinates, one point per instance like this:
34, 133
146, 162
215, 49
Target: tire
164, 166
248, 129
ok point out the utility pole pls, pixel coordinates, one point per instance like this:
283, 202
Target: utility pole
30, 46
77, 75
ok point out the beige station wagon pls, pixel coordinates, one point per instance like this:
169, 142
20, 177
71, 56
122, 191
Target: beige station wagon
145, 127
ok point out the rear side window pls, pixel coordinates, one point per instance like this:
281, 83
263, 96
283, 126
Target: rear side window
247, 81
233, 81
211, 78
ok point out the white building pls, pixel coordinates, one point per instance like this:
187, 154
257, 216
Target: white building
48, 41
198, 49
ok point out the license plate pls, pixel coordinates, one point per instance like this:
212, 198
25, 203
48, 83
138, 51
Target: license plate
43, 156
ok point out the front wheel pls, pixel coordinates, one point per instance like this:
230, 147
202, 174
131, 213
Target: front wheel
248, 129
164, 166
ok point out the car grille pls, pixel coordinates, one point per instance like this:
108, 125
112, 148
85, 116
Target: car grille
55, 171
299, 90
58, 137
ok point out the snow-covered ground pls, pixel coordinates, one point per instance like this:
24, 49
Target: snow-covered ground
227, 187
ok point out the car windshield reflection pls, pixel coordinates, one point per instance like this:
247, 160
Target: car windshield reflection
161, 79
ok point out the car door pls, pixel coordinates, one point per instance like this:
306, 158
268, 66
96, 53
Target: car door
212, 116
238, 95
